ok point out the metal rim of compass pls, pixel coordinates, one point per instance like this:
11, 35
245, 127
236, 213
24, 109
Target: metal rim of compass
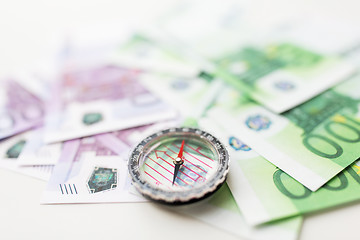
187, 195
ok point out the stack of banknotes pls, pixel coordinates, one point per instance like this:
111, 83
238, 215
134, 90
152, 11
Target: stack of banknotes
286, 106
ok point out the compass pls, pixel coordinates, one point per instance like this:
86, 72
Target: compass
179, 165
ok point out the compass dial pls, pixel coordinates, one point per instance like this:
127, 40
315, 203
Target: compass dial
178, 165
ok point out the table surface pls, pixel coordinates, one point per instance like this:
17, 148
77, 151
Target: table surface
24, 218
25, 26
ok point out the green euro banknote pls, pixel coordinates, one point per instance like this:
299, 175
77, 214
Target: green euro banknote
222, 212
281, 76
265, 193
312, 142
149, 52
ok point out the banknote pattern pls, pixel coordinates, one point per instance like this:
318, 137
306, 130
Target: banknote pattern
102, 179
20, 109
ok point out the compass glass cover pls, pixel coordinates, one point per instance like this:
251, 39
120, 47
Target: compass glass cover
200, 162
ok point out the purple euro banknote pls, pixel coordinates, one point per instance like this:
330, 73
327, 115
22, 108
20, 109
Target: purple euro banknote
94, 169
102, 99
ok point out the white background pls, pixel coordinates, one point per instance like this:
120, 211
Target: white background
28, 29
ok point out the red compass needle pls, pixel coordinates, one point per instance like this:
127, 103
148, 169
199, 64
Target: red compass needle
178, 161
180, 155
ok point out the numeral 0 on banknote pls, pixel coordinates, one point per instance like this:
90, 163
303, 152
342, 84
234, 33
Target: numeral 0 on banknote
281, 186
338, 122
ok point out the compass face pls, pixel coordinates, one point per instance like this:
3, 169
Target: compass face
204, 167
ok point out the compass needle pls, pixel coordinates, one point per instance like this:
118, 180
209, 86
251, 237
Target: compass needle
177, 167
178, 161
180, 176
180, 155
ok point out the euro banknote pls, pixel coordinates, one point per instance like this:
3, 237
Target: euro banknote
265, 193
101, 99
282, 76
312, 142
221, 211
10, 150
94, 169
20, 109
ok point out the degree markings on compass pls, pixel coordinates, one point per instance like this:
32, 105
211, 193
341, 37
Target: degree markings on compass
168, 169
187, 161
193, 157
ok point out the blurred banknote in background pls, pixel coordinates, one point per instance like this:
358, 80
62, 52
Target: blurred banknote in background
20, 110
282, 76
101, 99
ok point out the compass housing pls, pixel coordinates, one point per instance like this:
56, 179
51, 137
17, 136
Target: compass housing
214, 167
